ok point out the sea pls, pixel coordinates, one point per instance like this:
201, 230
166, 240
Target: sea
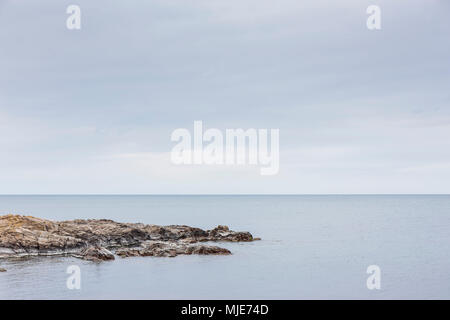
312, 247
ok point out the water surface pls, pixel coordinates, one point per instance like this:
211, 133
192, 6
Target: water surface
312, 247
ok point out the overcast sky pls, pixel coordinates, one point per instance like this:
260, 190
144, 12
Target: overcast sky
92, 110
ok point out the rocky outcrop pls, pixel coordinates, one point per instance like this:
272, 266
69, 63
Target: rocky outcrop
98, 240
169, 249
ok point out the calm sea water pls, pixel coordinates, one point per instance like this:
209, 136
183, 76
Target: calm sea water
312, 247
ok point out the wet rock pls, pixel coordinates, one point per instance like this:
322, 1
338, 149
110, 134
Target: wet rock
96, 254
207, 250
170, 249
2, 270
95, 239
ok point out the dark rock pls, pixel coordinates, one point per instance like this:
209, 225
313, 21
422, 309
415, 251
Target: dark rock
170, 249
96, 254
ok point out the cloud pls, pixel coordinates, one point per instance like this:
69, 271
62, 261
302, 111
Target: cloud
92, 111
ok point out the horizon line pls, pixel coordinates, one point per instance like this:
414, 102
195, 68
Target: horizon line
225, 194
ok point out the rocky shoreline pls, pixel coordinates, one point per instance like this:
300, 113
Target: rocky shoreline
102, 240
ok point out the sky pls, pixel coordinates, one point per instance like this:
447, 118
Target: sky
91, 111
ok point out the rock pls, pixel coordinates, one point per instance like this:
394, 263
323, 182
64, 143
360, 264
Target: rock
96, 254
222, 228
20, 235
222, 233
170, 249
206, 250
95, 239
2, 270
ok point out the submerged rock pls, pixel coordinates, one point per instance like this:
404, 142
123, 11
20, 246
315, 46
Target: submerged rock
98, 240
